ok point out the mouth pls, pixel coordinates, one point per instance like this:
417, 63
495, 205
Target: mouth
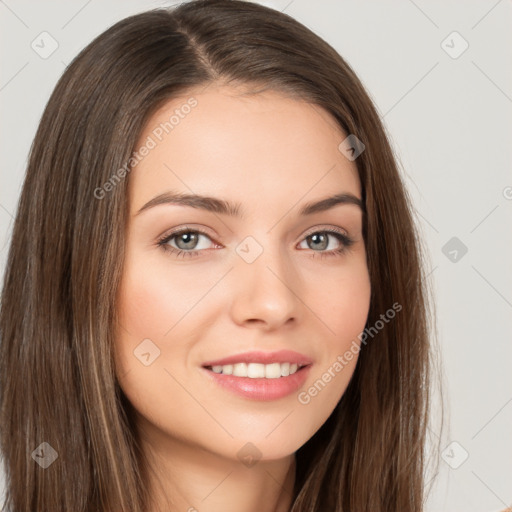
256, 387
258, 375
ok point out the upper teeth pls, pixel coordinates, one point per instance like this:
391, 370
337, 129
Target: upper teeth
257, 370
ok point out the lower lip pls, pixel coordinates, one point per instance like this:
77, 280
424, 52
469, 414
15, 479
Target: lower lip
262, 389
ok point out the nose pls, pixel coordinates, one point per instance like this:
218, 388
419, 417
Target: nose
265, 291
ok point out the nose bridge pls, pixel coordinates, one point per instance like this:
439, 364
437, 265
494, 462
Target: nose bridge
260, 252
263, 280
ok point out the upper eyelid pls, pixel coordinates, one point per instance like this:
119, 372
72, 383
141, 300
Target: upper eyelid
322, 228
309, 232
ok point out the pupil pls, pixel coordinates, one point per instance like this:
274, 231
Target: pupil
317, 236
192, 238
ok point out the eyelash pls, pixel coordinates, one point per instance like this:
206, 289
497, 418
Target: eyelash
346, 242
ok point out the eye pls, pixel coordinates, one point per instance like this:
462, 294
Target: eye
186, 242
320, 239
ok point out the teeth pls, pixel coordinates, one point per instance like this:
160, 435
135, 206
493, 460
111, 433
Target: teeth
272, 371
239, 370
257, 370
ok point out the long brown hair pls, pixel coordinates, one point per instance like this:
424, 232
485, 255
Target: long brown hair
58, 309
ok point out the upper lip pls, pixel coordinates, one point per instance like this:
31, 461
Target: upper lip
280, 356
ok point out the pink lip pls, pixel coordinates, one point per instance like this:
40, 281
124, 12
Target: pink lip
261, 389
281, 356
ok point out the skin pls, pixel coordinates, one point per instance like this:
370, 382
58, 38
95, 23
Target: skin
272, 154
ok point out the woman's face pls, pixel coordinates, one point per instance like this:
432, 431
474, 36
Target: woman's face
203, 282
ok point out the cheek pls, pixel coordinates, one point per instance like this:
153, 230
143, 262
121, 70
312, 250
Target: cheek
152, 302
148, 308
153, 305
343, 303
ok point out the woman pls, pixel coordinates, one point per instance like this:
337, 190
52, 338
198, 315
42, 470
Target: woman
171, 340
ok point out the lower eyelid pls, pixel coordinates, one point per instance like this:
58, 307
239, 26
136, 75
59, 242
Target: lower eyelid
345, 242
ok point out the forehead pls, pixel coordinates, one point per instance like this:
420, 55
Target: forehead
252, 147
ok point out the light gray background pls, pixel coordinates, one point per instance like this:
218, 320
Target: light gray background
449, 120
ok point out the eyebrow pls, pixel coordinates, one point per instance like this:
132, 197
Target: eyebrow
215, 205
